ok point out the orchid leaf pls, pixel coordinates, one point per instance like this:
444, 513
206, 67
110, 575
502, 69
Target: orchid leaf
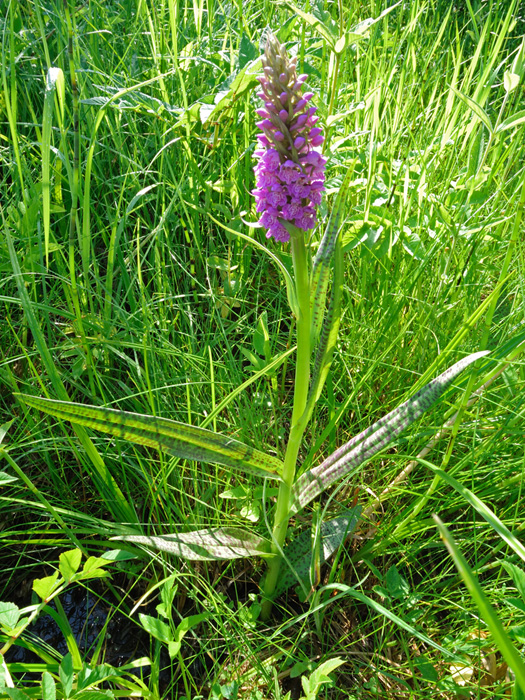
322, 263
177, 439
298, 553
330, 330
361, 448
209, 544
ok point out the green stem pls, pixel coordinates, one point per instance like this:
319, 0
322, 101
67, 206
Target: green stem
302, 381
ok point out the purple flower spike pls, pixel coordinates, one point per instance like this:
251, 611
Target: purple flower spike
290, 169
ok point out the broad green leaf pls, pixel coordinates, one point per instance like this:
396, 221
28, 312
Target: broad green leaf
359, 31
66, 674
69, 563
184, 627
5, 676
475, 107
15, 694
245, 80
519, 59
340, 44
4, 428
361, 27
361, 448
49, 689
488, 614
118, 555
207, 544
316, 23
298, 554
319, 677
512, 121
9, 615
89, 676
177, 439
158, 629
93, 567
510, 81
6, 478
43, 587
517, 693
247, 51
322, 263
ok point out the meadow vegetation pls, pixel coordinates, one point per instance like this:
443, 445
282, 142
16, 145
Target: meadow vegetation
132, 277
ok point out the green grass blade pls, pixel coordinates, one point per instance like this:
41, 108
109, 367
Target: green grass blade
177, 439
290, 286
512, 121
485, 512
365, 445
475, 108
54, 82
348, 591
209, 544
487, 612
116, 499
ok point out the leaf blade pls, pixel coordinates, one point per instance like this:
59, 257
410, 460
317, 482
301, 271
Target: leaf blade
177, 439
323, 258
209, 544
475, 108
298, 553
354, 453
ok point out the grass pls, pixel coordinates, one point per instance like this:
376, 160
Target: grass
124, 284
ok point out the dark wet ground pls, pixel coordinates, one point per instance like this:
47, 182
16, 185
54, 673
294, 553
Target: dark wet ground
87, 615
91, 619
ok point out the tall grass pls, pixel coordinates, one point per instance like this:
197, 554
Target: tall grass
123, 284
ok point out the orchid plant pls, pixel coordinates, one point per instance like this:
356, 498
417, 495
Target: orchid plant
290, 174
